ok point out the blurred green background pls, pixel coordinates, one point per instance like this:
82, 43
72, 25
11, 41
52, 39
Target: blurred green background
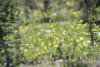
35, 30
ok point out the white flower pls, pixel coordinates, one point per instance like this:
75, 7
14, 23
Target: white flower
87, 33
78, 24
54, 14
81, 38
27, 44
88, 41
65, 31
99, 34
47, 31
22, 12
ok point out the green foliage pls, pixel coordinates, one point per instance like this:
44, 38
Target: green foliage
7, 27
55, 39
66, 37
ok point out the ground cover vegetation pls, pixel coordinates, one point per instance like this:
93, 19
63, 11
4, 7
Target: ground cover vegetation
33, 30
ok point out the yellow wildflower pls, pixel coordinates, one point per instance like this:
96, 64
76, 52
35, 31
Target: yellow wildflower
71, 39
95, 43
16, 31
21, 48
55, 45
30, 37
85, 44
72, 26
23, 30
51, 25
96, 26
74, 22
39, 40
68, 3
41, 30
31, 46
70, 44
16, 13
54, 30
2, 51
94, 29
85, 24
51, 35
81, 20
38, 33
20, 27
62, 40
63, 33
49, 44
76, 13
57, 38
77, 28
42, 44
41, 4
37, 49
84, 32
61, 28
49, 20
77, 40
45, 47
35, 11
